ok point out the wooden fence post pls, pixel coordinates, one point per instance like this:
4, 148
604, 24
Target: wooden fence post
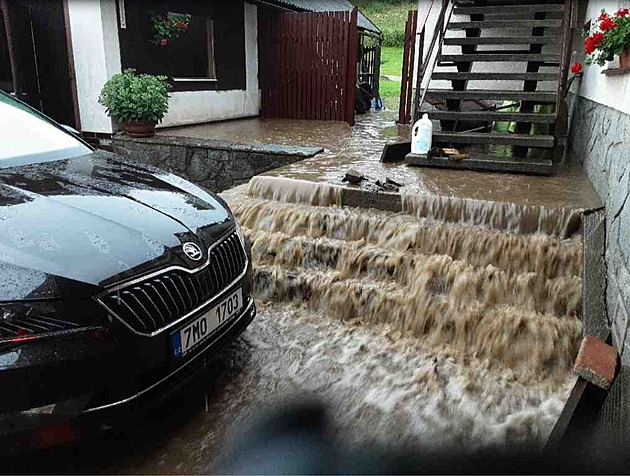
353, 45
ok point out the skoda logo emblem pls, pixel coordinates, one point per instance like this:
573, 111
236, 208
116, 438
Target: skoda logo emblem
192, 251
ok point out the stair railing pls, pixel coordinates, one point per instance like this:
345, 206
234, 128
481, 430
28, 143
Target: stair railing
413, 38
427, 65
570, 24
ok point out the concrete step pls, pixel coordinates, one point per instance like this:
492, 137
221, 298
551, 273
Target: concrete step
492, 116
512, 9
511, 57
539, 97
495, 76
485, 164
505, 40
504, 24
524, 140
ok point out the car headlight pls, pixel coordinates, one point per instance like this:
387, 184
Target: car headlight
26, 321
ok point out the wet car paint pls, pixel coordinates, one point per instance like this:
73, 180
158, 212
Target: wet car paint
75, 224
71, 228
98, 219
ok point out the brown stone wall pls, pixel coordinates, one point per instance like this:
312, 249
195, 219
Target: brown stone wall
214, 164
600, 140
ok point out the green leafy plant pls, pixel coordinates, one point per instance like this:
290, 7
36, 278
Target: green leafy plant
168, 27
610, 37
131, 97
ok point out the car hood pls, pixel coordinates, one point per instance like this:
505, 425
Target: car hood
97, 219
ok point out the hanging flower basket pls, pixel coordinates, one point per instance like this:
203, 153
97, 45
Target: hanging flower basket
168, 27
610, 37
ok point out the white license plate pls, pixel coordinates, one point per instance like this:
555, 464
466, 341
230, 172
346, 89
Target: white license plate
203, 327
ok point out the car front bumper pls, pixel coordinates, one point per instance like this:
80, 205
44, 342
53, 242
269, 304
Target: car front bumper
101, 389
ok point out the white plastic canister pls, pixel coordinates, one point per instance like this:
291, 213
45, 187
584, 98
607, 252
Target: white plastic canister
422, 136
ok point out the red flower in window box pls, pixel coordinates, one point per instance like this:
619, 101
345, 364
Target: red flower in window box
610, 37
168, 27
608, 24
592, 42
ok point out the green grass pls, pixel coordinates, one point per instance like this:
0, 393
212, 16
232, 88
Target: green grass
391, 60
389, 16
390, 92
390, 89
391, 65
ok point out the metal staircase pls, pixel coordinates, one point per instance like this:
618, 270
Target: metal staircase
496, 85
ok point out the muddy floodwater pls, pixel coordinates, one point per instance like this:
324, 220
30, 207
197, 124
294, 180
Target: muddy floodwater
451, 324
416, 330
379, 388
360, 148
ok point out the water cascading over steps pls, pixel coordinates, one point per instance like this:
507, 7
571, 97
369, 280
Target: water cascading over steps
495, 281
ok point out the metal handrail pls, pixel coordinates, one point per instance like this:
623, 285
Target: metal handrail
426, 16
425, 64
570, 22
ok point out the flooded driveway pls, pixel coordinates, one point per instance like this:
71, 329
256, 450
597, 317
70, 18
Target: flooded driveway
380, 389
450, 325
414, 331
360, 148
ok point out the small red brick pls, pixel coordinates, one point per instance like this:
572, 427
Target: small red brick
596, 362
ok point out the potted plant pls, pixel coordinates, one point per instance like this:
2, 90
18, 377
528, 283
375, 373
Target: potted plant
610, 37
137, 101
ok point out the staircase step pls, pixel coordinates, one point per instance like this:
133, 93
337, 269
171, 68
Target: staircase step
474, 116
505, 40
512, 9
485, 163
492, 57
524, 140
495, 76
538, 97
507, 24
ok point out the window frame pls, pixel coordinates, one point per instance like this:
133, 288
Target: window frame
183, 83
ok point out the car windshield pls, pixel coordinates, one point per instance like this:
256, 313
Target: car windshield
27, 136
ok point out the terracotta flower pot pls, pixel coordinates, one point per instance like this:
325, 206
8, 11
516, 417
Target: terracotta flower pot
624, 59
139, 129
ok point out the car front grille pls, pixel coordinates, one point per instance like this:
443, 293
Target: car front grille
155, 303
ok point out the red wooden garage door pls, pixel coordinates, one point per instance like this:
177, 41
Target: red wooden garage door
308, 65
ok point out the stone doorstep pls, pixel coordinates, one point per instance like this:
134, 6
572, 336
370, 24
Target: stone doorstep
384, 200
596, 362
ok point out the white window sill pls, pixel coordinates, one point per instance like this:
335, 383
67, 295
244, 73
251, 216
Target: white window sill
194, 80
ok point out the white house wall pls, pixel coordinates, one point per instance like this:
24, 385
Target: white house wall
192, 107
96, 57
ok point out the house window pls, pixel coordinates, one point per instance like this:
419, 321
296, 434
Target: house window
192, 54
209, 55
